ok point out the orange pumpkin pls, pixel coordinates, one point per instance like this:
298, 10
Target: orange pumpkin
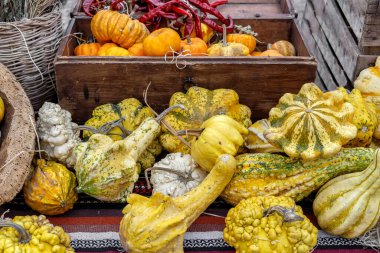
162, 41
116, 51
194, 46
136, 50
107, 26
283, 47
104, 47
256, 53
87, 49
245, 39
270, 53
207, 32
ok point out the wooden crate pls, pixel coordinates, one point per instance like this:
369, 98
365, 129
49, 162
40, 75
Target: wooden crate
86, 82
330, 40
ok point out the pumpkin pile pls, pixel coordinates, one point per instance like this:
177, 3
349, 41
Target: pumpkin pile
119, 34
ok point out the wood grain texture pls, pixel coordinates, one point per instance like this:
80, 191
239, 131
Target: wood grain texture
18, 137
355, 13
86, 82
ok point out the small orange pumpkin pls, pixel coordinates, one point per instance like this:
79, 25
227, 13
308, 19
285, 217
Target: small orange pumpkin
87, 49
104, 47
283, 47
246, 39
256, 53
207, 32
136, 50
194, 46
162, 41
116, 51
270, 53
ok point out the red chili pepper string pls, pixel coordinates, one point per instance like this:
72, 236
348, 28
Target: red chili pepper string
154, 12
207, 8
217, 27
197, 20
115, 5
218, 2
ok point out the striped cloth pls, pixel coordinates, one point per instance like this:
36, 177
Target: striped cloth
94, 227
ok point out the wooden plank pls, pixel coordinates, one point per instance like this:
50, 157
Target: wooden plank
326, 51
318, 81
373, 6
355, 13
337, 34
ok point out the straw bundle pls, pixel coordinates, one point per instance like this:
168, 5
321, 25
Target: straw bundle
30, 32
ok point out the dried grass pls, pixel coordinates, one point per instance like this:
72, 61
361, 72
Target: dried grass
16, 10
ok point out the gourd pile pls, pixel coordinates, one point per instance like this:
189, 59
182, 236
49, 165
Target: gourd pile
185, 32
311, 140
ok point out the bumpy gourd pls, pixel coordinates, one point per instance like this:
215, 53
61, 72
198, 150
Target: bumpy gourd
368, 82
33, 234
51, 188
176, 174
107, 26
158, 224
264, 174
131, 113
269, 224
220, 135
348, 205
364, 119
201, 104
256, 141
107, 169
311, 124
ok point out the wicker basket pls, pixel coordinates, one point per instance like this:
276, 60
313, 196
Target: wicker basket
17, 136
27, 48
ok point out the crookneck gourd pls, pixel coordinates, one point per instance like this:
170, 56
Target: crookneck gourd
32, 234
364, 119
175, 175
201, 104
256, 141
107, 169
368, 82
311, 124
348, 205
265, 174
158, 224
269, 224
51, 188
118, 121
218, 135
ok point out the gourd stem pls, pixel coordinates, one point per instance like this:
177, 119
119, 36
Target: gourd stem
24, 236
289, 215
224, 36
167, 110
178, 173
192, 132
106, 128
189, 42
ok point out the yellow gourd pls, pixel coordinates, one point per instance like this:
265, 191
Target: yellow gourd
283, 47
158, 224
256, 141
103, 48
227, 49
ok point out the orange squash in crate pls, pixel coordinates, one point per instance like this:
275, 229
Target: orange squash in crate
87, 49
270, 53
136, 50
107, 26
116, 51
104, 47
207, 32
194, 46
283, 47
162, 41
245, 39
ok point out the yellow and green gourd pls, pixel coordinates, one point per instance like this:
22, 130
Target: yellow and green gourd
265, 174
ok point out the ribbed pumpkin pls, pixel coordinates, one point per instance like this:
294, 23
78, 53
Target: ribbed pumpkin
134, 113
283, 47
201, 104
104, 47
311, 124
256, 142
348, 205
368, 82
364, 119
87, 49
270, 53
161, 42
245, 39
107, 26
264, 174
136, 50
207, 32
194, 46
51, 188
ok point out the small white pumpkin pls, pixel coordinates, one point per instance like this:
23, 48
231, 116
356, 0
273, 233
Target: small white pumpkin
176, 174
